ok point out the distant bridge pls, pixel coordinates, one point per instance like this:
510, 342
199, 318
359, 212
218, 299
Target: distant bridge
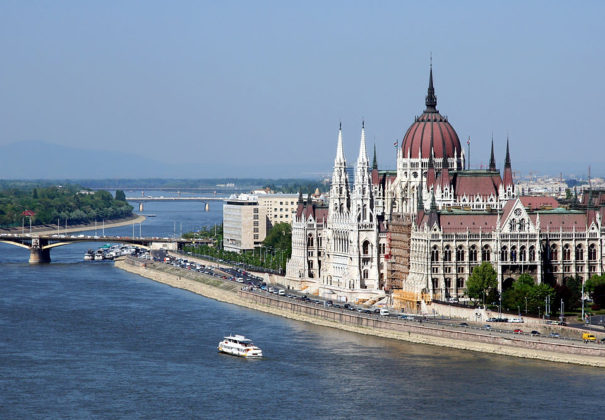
40, 245
162, 198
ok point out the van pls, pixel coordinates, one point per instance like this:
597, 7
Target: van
384, 312
588, 337
281, 292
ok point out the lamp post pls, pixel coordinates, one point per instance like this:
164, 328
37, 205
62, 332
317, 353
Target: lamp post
582, 300
525, 305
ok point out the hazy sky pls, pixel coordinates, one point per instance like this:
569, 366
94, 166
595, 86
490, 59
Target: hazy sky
263, 85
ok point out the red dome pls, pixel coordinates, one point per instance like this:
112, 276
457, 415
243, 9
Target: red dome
431, 128
431, 125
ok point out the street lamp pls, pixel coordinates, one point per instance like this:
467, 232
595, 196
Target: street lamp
525, 305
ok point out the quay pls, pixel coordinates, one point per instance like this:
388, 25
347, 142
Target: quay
590, 354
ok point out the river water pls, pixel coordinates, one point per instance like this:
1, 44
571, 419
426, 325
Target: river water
86, 340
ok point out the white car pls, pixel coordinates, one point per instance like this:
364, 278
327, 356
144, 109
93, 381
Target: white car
515, 320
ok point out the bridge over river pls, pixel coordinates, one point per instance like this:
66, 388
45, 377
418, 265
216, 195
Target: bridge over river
162, 198
41, 244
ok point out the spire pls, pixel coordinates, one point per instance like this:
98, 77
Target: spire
508, 172
431, 99
363, 156
420, 205
433, 203
374, 161
492, 160
340, 156
507, 160
300, 196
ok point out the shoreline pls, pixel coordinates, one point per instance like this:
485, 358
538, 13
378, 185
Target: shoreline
43, 230
229, 292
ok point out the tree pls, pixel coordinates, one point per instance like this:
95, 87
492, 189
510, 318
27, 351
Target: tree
596, 288
280, 238
482, 282
526, 294
120, 196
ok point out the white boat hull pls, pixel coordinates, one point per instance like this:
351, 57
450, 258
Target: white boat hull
239, 350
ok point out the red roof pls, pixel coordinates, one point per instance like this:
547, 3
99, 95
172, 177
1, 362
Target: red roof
537, 202
319, 213
451, 223
418, 136
484, 184
28, 213
561, 221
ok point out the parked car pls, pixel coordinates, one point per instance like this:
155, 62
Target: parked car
487, 327
384, 312
535, 333
516, 320
589, 337
554, 335
463, 324
518, 331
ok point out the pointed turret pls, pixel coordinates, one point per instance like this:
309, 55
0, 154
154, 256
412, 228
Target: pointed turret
508, 172
492, 159
374, 161
340, 155
363, 156
431, 99
300, 197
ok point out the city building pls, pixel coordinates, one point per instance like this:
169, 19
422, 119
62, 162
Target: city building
244, 223
416, 233
248, 218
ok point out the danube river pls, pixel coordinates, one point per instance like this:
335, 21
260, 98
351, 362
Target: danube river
86, 340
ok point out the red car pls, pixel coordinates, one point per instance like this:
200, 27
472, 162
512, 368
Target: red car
518, 331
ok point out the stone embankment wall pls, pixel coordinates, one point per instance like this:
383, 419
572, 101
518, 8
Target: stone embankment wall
230, 292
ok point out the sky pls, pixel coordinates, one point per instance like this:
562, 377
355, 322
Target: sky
259, 88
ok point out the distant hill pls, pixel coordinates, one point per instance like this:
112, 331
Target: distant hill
42, 160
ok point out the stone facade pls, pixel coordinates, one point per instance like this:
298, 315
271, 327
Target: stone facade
418, 232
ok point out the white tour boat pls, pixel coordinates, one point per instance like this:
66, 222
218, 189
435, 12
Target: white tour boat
238, 345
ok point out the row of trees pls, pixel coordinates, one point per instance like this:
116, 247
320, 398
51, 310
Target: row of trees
50, 204
527, 296
273, 254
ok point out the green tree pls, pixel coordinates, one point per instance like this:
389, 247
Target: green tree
120, 196
525, 295
280, 238
596, 288
482, 284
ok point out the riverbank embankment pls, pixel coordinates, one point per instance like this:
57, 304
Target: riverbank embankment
50, 229
230, 292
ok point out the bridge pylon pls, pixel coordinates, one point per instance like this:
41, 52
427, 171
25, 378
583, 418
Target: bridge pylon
38, 255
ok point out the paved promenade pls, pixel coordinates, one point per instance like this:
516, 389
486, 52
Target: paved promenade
227, 291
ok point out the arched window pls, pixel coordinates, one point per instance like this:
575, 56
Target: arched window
486, 253
522, 225
579, 252
460, 253
434, 254
566, 253
554, 252
366, 248
513, 254
532, 253
522, 254
472, 254
592, 252
310, 240
504, 254
460, 283
447, 254
512, 225
365, 274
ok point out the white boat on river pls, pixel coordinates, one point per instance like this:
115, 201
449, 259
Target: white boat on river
238, 345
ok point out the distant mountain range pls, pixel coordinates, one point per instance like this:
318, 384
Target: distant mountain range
42, 160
